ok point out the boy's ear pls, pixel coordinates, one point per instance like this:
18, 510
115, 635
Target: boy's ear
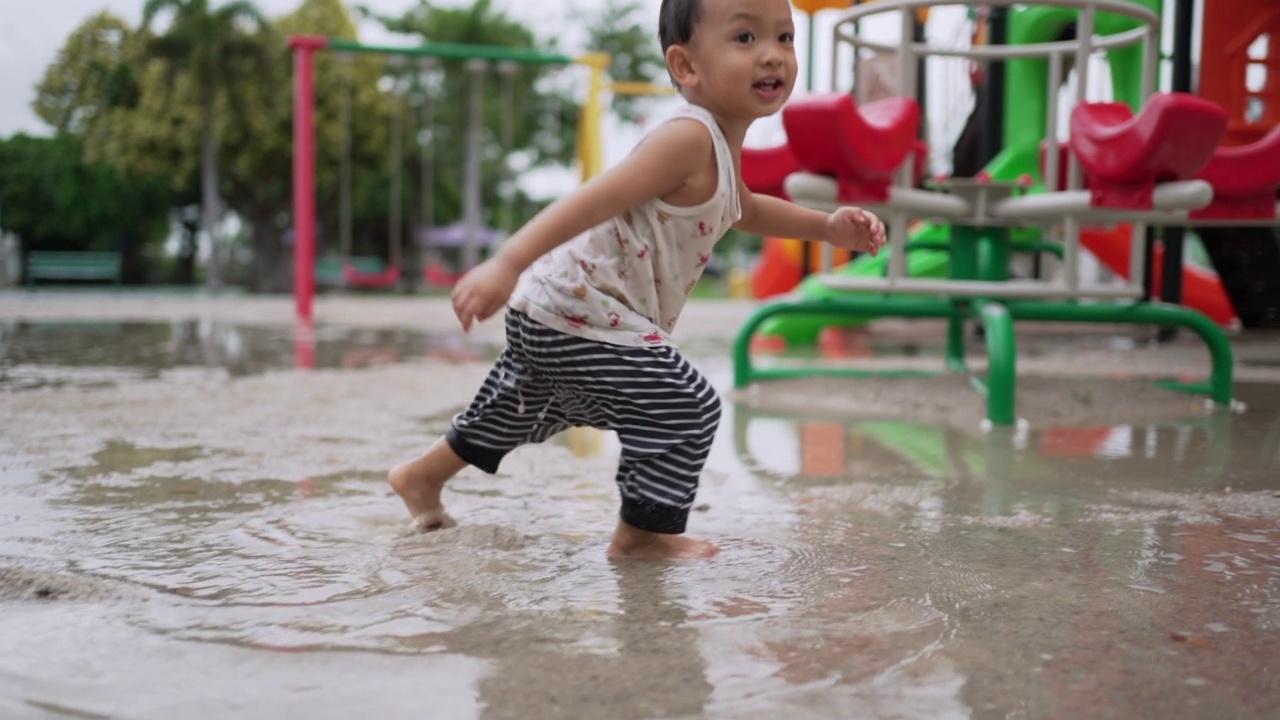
680, 65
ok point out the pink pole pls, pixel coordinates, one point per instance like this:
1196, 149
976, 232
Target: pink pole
304, 169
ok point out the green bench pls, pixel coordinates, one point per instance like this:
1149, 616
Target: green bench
60, 265
329, 269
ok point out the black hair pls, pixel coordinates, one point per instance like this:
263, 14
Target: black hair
676, 21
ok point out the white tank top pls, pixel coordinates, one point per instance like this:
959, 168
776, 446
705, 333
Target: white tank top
626, 280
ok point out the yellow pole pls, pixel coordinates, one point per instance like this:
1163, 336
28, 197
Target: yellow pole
590, 145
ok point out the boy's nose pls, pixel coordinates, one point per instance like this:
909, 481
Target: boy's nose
772, 54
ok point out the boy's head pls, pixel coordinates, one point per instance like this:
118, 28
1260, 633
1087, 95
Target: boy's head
676, 21
736, 51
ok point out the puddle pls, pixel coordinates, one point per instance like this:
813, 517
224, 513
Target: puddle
229, 548
83, 354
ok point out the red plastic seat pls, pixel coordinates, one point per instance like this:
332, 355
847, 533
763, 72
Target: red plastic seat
1125, 155
765, 170
1245, 179
370, 280
860, 147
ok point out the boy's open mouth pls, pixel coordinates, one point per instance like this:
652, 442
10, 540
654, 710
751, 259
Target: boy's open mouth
771, 84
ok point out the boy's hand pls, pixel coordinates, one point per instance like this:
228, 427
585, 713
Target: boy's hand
856, 229
484, 291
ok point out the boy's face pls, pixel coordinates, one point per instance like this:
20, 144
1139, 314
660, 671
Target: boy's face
741, 59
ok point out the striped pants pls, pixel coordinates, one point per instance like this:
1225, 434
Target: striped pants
664, 411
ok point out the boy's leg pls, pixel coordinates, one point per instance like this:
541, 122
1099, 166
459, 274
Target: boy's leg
419, 482
666, 414
513, 407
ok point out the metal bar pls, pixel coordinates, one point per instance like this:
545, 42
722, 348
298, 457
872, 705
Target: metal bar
981, 288
344, 166
1051, 166
1002, 363
1174, 236
471, 171
454, 51
1146, 314
1138, 256
910, 307
1114, 41
395, 234
304, 173
1122, 7
992, 139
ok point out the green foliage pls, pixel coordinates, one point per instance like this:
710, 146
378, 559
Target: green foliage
266, 155
56, 200
140, 102
636, 53
90, 75
541, 108
208, 45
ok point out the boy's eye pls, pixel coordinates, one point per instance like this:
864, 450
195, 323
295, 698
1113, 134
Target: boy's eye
745, 37
787, 37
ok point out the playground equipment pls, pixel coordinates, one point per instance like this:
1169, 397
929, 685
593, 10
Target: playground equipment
370, 272
1123, 166
1242, 74
1028, 81
304, 201
478, 58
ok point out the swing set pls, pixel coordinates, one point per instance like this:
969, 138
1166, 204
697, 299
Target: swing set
372, 272
411, 84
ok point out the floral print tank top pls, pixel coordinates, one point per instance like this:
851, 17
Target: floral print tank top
626, 281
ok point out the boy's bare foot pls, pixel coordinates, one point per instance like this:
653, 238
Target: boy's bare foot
630, 542
419, 482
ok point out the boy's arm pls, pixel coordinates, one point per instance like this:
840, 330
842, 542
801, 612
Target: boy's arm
664, 162
661, 164
848, 227
773, 217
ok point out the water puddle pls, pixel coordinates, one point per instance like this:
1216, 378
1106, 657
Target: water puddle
88, 355
230, 548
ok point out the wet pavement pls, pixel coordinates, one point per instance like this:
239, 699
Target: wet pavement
196, 526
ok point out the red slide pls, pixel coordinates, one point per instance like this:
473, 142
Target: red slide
1201, 289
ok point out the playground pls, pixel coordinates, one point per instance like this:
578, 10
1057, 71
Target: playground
974, 477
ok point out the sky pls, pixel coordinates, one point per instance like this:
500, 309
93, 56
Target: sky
32, 33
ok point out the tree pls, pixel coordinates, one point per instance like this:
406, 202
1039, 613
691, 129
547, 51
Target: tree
259, 180
634, 48
90, 74
56, 200
212, 47
542, 112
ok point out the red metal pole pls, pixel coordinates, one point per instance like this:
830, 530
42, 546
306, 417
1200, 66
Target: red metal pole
304, 168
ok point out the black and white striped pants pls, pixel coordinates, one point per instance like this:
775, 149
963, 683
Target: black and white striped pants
664, 411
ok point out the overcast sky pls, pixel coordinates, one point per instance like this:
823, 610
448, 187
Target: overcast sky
32, 33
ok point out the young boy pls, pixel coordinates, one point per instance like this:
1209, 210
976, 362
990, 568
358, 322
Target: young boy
594, 284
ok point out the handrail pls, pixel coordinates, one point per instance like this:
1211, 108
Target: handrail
844, 32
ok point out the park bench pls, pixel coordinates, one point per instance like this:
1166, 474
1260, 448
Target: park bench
64, 265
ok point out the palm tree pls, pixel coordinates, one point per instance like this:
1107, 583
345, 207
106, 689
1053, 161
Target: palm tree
210, 45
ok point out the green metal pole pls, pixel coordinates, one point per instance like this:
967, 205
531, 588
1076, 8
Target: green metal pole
1220, 378
994, 252
964, 266
872, 306
1002, 359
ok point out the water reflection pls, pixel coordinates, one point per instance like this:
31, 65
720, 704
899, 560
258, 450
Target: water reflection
871, 567
57, 353
1211, 451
